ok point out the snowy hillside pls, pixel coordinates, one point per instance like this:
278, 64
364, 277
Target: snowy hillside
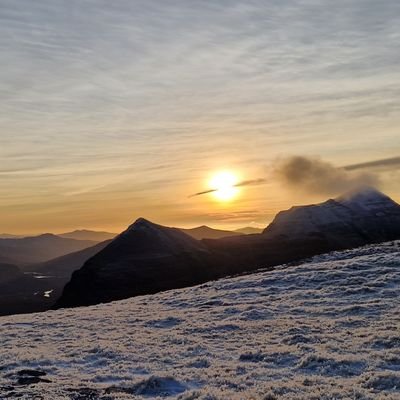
359, 217
326, 329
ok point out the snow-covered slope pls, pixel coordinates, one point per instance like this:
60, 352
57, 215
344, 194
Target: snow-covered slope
368, 200
362, 216
326, 329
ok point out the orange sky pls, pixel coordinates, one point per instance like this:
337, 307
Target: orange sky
118, 110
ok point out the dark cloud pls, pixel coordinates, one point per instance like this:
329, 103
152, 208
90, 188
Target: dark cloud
318, 176
386, 163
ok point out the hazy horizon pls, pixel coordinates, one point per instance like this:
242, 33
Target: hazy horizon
113, 111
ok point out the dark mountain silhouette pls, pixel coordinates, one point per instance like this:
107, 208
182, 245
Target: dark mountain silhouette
133, 262
249, 230
39, 248
205, 232
26, 294
148, 258
84, 234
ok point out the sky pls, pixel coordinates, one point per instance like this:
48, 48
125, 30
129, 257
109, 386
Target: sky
114, 110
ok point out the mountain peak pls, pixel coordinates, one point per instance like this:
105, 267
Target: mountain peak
363, 192
362, 214
141, 223
46, 236
155, 237
366, 198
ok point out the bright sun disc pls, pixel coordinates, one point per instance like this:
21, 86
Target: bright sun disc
224, 184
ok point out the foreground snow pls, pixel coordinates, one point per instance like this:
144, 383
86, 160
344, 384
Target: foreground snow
326, 329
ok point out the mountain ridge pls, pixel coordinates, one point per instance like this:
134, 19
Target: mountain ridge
147, 257
357, 217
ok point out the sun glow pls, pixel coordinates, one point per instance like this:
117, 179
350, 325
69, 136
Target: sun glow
224, 183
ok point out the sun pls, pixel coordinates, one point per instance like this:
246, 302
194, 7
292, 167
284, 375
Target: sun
224, 183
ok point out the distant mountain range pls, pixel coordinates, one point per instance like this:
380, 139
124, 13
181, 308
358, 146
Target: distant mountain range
199, 232
9, 236
205, 232
148, 258
38, 248
249, 230
84, 234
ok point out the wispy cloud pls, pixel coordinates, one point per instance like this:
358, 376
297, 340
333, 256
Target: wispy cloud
386, 163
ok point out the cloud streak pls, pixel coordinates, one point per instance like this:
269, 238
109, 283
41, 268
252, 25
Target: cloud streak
251, 182
386, 164
316, 176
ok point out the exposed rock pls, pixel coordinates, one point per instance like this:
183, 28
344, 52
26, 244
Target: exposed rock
29, 377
